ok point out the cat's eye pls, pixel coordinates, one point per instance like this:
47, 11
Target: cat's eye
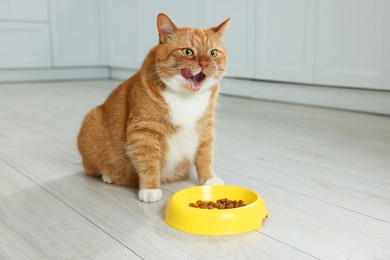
188, 52
213, 53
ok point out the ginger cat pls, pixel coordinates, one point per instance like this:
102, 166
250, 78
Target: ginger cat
158, 126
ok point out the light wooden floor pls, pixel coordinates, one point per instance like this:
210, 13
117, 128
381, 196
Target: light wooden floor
323, 174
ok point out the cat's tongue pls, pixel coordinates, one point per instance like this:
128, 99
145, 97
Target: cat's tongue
195, 81
186, 73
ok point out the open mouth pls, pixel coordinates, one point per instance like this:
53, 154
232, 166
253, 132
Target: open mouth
194, 81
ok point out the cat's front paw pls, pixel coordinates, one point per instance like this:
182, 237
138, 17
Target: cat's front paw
149, 195
214, 181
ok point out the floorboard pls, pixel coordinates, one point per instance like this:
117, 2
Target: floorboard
324, 176
37, 225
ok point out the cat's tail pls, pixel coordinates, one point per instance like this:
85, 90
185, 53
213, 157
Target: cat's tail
86, 142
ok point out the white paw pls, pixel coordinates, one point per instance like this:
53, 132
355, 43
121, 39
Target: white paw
214, 181
150, 195
106, 179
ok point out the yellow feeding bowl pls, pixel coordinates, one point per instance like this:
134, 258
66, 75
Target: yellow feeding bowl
215, 221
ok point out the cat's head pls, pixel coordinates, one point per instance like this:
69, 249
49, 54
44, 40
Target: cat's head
189, 59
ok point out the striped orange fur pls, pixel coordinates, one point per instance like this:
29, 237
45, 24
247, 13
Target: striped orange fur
158, 126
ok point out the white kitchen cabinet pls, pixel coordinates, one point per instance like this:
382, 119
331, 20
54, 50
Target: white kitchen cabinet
386, 50
285, 37
239, 37
132, 31
185, 13
75, 33
325, 42
121, 33
353, 45
146, 36
24, 10
24, 34
24, 45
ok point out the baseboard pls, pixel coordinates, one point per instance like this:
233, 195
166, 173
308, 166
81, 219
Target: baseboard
46, 74
120, 73
362, 100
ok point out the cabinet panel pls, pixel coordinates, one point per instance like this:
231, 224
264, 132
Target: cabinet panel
122, 32
147, 34
386, 53
35, 10
75, 33
132, 30
285, 37
239, 38
178, 11
24, 45
351, 44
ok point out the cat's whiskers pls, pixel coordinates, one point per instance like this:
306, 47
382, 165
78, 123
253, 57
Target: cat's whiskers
174, 68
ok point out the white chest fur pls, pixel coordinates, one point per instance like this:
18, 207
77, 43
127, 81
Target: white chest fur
185, 110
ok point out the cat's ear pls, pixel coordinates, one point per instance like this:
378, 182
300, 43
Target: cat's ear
165, 27
221, 28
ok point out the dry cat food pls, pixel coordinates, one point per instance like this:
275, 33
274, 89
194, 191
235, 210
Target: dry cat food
219, 204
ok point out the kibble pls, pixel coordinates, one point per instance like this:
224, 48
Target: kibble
224, 203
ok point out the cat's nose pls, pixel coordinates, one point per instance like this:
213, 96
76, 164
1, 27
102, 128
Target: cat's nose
203, 64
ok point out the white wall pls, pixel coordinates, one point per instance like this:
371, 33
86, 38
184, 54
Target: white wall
317, 42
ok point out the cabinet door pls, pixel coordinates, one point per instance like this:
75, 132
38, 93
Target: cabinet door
75, 33
147, 33
239, 38
386, 52
178, 12
24, 45
121, 33
351, 43
26, 10
285, 37
132, 30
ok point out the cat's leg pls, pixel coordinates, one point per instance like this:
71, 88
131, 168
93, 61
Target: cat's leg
117, 168
203, 164
144, 150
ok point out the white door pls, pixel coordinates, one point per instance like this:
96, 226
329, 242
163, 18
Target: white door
121, 31
285, 40
386, 50
147, 33
75, 33
24, 45
132, 30
352, 48
24, 10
